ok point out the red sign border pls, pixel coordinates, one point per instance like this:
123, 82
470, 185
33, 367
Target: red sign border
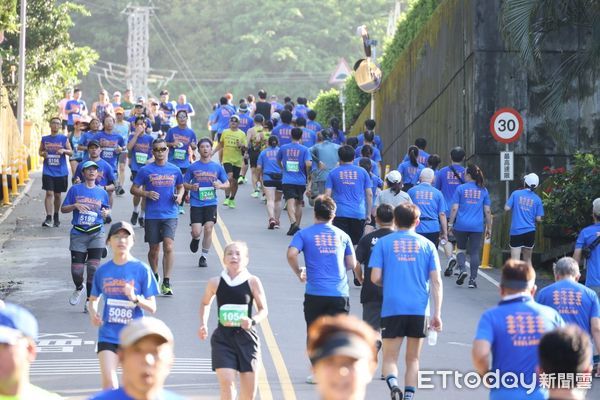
519, 131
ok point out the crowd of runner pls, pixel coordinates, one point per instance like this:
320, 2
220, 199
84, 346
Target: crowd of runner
384, 227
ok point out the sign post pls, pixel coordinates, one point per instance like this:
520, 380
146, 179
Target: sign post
338, 78
506, 127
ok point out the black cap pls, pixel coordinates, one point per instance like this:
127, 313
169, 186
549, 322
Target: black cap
163, 92
121, 225
344, 344
93, 142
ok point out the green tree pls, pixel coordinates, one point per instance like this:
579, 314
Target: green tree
8, 16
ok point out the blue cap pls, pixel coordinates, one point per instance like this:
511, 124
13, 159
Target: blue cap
89, 163
16, 322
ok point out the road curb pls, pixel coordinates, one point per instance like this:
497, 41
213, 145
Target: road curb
16, 201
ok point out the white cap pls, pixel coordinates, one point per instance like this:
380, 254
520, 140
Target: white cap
141, 327
427, 175
532, 180
394, 176
596, 207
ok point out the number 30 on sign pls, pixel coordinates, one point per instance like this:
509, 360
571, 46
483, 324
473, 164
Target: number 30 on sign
506, 125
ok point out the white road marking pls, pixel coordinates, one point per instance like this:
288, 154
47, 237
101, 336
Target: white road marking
79, 366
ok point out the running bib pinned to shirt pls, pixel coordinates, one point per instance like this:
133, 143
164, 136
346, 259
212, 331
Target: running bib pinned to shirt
87, 218
292, 166
206, 193
108, 153
53, 159
120, 311
179, 154
141, 158
231, 315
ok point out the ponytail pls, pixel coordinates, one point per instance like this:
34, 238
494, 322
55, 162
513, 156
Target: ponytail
475, 172
413, 154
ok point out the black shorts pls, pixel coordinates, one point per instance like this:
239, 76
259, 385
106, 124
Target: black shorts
102, 346
235, 170
156, 230
526, 240
235, 348
317, 306
202, 215
352, 226
253, 156
56, 184
293, 191
372, 314
183, 170
133, 175
433, 237
274, 184
398, 326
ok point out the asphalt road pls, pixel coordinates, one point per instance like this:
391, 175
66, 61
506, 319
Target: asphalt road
35, 272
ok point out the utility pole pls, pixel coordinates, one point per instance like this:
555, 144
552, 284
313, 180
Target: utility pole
22, 65
138, 63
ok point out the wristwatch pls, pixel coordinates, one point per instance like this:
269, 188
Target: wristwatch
136, 301
253, 321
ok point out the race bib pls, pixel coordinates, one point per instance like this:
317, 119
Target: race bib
231, 315
53, 159
87, 218
119, 311
292, 166
108, 153
179, 154
141, 158
206, 193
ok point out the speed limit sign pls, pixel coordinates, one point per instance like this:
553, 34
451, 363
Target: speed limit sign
506, 125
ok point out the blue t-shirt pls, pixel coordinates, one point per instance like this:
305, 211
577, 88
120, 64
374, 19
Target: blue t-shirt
109, 281
421, 158
283, 133
348, 184
55, 165
106, 174
314, 126
179, 156
293, 158
301, 111
410, 173
204, 174
526, 206
87, 137
406, 260
72, 105
309, 137
431, 203
187, 107
374, 165
163, 180
120, 394
267, 160
122, 129
109, 142
169, 110
376, 183
471, 200
325, 247
376, 140
246, 121
141, 152
222, 115
514, 329
338, 137
132, 119
447, 182
586, 237
576, 303
95, 198
74, 140
376, 156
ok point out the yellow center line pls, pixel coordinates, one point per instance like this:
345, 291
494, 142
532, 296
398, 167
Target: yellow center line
264, 389
282, 373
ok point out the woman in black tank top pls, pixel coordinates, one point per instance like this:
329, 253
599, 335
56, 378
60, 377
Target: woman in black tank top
235, 346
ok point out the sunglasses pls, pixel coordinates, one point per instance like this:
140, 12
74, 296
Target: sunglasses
160, 149
234, 120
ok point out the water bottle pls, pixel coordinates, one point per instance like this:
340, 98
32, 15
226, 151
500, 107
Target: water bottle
432, 337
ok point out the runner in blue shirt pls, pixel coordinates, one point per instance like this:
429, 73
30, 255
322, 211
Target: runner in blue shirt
161, 183
94, 130
295, 161
283, 130
328, 255
222, 115
202, 179
312, 124
351, 188
337, 135
301, 109
127, 289
105, 177
433, 207
410, 169
91, 210
271, 174
139, 147
423, 156
122, 128
182, 104
309, 137
369, 127
168, 110
470, 203
369, 140
587, 248
55, 173
376, 187
367, 152
527, 209
111, 143
75, 108
406, 264
246, 120
508, 335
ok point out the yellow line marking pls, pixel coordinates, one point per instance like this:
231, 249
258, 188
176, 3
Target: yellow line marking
282, 373
264, 389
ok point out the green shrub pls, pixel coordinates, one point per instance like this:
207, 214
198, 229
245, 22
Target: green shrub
8, 15
327, 105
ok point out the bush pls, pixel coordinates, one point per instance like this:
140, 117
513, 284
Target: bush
327, 105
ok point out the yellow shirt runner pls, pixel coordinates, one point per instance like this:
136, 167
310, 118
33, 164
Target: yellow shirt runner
232, 141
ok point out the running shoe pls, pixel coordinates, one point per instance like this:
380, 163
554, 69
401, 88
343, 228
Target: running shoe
231, 203
47, 222
226, 202
194, 244
181, 210
120, 191
85, 306
263, 198
396, 393
134, 217
165, 289
108, 220
277, 224
290, 231
296, 229
76, 296
472, 284
461, 277
450, 266
156, 277
255, 194
241, 180
311, 380
141, 221
272, 223
202, 262
56, 223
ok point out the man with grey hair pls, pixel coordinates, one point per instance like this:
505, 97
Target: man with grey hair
433, 208
587, 248
576, 303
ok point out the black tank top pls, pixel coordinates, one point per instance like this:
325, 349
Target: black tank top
241, 294
264, 108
